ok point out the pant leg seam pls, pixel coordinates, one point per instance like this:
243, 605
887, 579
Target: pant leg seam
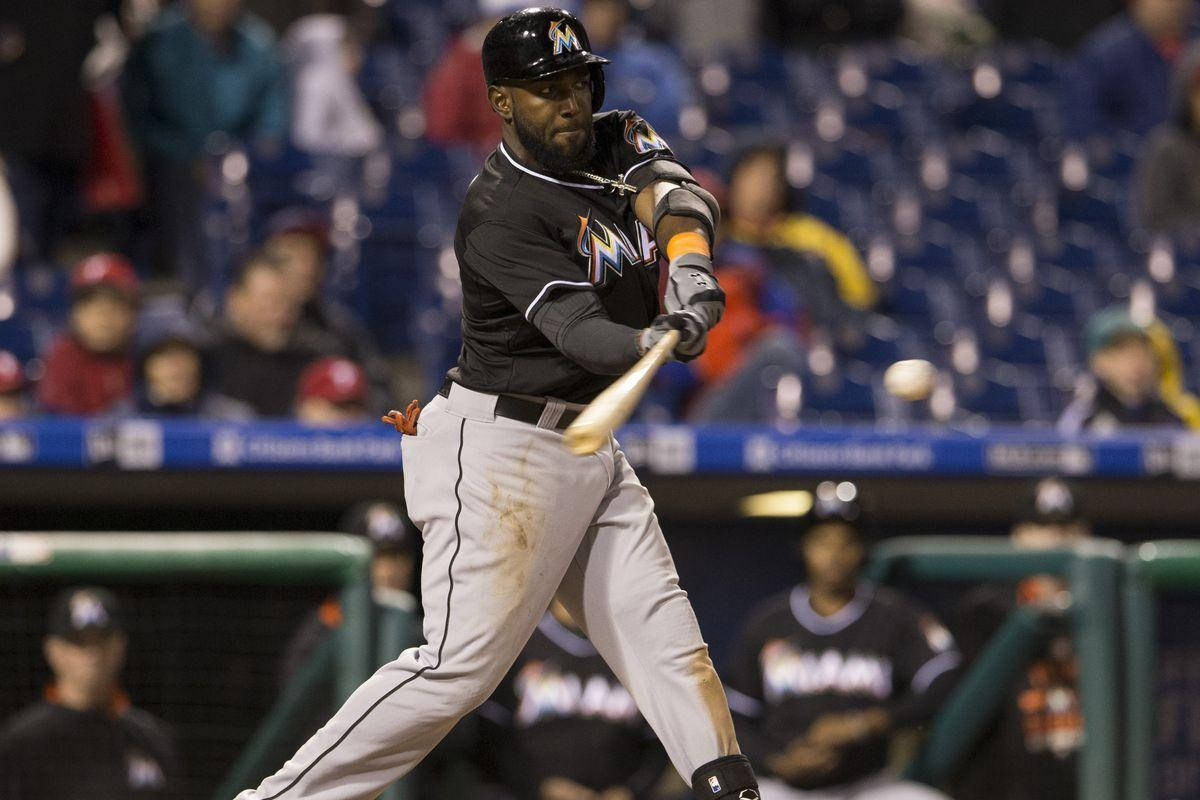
441, 646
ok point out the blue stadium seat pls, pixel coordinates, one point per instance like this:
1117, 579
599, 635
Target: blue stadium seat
992, 392
845, 394
1019, 342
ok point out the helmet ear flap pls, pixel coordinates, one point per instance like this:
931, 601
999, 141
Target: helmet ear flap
597, 87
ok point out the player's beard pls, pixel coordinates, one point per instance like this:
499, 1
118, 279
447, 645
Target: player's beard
554, 158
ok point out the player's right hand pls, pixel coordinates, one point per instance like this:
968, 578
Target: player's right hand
693, 334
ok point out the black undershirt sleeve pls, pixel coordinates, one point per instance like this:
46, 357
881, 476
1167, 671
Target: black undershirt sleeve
574, 322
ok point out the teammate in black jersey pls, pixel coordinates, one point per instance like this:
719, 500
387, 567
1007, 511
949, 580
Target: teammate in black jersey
826, 671
566, 726
85, 740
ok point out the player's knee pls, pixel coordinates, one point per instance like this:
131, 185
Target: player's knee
728, 777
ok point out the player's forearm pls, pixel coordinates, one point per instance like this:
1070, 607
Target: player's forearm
576, 324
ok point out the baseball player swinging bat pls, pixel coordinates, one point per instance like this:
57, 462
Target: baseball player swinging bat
592, 427
557, 244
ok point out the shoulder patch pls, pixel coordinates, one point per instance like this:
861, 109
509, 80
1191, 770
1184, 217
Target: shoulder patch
643, 138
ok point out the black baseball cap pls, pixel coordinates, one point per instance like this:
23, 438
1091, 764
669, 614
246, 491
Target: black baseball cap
1051, 501
84, 611
383, 523
835, 502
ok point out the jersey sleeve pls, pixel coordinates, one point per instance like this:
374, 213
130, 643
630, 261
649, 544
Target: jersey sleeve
634, 144
524, 264
925, 660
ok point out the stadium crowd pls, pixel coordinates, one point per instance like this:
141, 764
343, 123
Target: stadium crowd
212, 214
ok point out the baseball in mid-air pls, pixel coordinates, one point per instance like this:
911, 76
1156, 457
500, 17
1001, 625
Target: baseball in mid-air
911, 379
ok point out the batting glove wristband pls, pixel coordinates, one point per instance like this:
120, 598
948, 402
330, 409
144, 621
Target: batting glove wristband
692, 334
692, 286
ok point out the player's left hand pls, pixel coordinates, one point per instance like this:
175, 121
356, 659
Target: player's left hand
692, 334
694, 289
838, 730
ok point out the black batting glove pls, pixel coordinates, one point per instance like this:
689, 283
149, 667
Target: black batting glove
692, 334
692, 286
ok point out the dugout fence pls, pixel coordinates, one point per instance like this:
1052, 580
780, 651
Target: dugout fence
208, 615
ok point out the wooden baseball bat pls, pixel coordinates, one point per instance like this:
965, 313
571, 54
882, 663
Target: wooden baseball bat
592, 427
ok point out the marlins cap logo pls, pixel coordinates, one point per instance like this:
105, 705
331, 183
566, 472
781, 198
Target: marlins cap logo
564, 37
87, 610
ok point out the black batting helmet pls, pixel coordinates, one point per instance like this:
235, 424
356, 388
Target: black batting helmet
536, 42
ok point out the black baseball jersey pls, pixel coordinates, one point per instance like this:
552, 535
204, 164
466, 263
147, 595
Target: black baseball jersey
524, 236
566, 715
794, 665
49, 752
1032, 747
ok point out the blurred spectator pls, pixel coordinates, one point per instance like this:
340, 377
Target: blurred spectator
820, 262
330, 116
89, 368
1030, 750
204, 67
809, 23
333, 391
12, 387
457, 110
298, 240
260, 354
85, 739
43, 44
1062, 23
702, 28
758, 332
393, 580
825, 672
1120, 80
644, 75
563, 726
1167, 182
173, 378
1124, 386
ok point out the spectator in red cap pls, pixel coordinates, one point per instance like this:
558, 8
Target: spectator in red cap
12, 387
333, 391
89, 368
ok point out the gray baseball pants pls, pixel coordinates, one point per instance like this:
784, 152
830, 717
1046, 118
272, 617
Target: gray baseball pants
510, 518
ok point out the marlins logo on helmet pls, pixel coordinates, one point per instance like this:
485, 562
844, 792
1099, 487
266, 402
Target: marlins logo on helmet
563, 36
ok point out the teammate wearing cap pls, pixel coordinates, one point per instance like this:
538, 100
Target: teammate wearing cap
823, 673
89, 368
85, 739
557, 246
1031, 748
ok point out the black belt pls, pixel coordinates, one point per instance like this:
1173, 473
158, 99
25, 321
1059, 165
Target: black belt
520, 409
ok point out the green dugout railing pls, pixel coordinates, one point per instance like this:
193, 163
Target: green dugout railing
268, 558
1150, 568
1093, 569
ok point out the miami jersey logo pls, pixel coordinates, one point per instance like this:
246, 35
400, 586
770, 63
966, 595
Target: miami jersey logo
643, 138
609, 248
564, 37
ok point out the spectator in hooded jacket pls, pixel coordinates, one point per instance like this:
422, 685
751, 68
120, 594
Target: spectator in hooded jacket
1167, 183
89, 368
1125, 385
1120, 79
